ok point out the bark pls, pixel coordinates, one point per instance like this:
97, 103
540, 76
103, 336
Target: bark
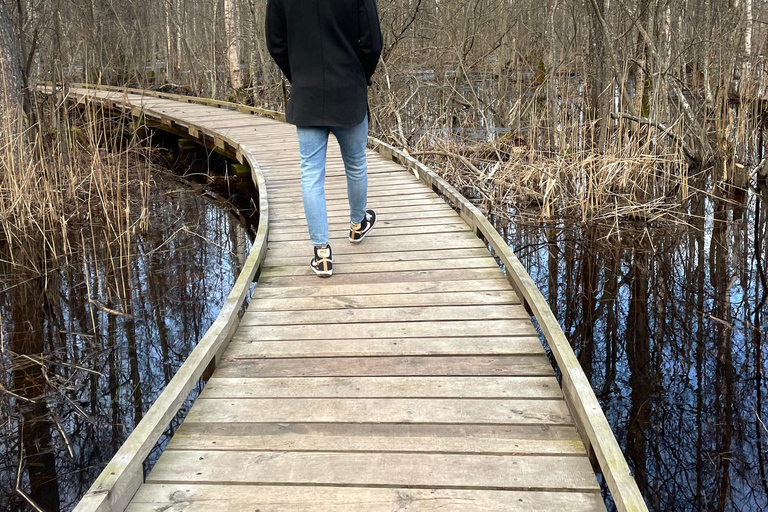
177, 35
748, 23
232, 30
599, 90
214, 79
169, 51
10, 74
553, 102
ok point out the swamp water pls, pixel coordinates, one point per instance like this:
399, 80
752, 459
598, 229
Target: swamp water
670, 324
89, 346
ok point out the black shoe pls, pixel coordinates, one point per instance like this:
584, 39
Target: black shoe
358, 231
322, 263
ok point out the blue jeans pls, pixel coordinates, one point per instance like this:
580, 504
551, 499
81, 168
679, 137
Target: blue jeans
313, 143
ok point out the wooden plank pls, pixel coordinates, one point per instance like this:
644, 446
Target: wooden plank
385, 301
383, 387
289, 169
437, 366
288, 178
343, 223
381, 410
395, 314
317, 288
384, 347
342, 235
437, 254
199, 498
336, 201
285, 190
377, 267
378, 437
398, 243
338, 190
338, 187
389, 330
340, 277
421, 199
377, 469
285, 164
412, 211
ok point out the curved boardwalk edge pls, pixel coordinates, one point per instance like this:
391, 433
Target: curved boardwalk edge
585, 408
591, 422
118, 482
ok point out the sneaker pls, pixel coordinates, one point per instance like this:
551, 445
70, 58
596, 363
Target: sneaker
358, 231
322, 263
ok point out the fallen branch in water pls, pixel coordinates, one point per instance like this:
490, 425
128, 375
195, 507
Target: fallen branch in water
111, 311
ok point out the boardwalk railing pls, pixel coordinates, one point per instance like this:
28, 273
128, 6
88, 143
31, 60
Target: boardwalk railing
120, 479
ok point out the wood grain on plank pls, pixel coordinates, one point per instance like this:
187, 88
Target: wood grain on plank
410, 211
342, 235
384, 347
414, 255
522, 472
389, 330
396, 314
405, 276
479, 366
379, 437
264, 498
376, 267
383, 387
343, 224
318, 288
385, 301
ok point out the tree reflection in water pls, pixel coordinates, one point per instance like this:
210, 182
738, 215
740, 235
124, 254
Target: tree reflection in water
113, 322
669, 324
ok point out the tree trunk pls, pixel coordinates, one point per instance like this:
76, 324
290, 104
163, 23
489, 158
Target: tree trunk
177, 36
709, 98
232, 29
214, 78
745, 70
169, 52
553, 103
599, 90
10, 75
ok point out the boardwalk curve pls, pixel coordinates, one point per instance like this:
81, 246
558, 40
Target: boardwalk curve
411, 380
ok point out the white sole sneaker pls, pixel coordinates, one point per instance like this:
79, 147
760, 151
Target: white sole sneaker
356, 236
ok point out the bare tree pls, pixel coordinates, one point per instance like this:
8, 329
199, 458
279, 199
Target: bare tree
10, 75
232, 30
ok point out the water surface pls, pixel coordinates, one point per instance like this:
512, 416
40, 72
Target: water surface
90, 344
669, 323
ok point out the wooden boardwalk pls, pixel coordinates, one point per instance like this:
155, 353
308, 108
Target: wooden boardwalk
413, 379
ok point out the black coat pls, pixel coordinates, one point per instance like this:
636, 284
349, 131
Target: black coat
328, 50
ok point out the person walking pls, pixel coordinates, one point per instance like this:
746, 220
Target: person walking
328, 51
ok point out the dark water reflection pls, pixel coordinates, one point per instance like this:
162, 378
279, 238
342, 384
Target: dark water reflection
670, 326
91, 344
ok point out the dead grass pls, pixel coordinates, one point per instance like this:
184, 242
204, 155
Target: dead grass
78, 171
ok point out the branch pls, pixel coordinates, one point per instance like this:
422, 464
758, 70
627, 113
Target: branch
448, 154
608, 38
689, 152
686, 107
